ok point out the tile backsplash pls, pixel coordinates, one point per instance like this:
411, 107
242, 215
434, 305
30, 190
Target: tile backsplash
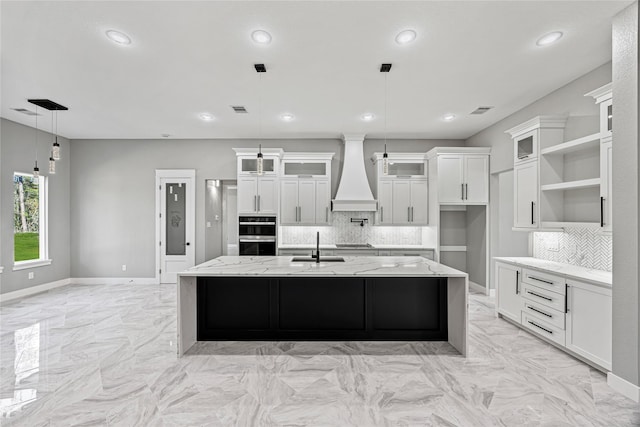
343, 230
585, 247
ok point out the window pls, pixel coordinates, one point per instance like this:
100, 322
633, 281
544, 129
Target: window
29, 221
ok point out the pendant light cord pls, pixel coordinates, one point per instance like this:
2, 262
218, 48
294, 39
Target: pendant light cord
36, 135
385, 111
52, 131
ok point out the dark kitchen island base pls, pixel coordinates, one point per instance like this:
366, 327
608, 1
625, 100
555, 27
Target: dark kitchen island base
321, 308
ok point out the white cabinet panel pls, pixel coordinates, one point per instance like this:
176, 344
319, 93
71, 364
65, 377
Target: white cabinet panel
307, 201
401, 202
247, 195
476, 181
289, 205
589, 322
509, 301
419, 202
385, 202
526, 195
267, 195
450, 184
323, 201
606, 185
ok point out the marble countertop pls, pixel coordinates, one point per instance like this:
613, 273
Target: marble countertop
598, 277
278, 266
372, 247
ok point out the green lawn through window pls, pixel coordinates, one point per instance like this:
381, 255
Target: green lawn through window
26, 246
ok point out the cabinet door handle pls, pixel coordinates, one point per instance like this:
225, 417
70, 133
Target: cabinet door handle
462, 191
566, 298
532, 203
466, 191
381, 213
539, 311
601, 211
258, 203
540, 327
411, 213
326, 212
539, 296
541, 280
255, 203
408, 214
517, 282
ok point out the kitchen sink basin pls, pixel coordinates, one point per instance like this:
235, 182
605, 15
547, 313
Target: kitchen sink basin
322, 259
354, 245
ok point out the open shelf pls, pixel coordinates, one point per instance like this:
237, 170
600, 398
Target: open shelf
563, 224
586, 142
572, 185
453, 248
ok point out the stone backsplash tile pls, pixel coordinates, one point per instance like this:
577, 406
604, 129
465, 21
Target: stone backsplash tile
585, 247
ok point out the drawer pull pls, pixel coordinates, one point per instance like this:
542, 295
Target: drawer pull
540, 296
540, 327
539, 311
541, 280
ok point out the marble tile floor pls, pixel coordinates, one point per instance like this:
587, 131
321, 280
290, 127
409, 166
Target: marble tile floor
105, 355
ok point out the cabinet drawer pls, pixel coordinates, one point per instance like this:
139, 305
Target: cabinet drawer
543, 328
544, 280
413, 252
544, 297
546, 314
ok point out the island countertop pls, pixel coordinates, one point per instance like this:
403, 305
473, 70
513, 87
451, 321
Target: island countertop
360, 266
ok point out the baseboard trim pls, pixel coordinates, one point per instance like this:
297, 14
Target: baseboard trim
33, 290
114, 281
623, 387
476, 287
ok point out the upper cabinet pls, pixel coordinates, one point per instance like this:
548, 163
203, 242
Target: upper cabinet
257, 194
462, 175
604, 98
402, 193
305, 188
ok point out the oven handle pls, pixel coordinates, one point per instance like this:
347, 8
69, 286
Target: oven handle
258, 240
257, 223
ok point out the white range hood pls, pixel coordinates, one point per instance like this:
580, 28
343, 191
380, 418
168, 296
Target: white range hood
354, 193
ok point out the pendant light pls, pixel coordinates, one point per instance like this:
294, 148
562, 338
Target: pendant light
55, 152
36, 170
385, 68
260, 68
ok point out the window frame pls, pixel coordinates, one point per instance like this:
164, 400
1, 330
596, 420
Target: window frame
43, 226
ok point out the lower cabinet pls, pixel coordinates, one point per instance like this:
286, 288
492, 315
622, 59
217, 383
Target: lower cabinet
589, 323
572, 314
508, 298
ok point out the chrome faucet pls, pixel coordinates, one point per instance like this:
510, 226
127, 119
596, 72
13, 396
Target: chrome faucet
317, 255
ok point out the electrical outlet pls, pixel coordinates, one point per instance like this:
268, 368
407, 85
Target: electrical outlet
31, 275
124, 267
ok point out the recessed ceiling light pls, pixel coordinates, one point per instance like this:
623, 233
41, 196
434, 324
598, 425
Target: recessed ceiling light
406, 36
207, 117
261, 36
448, 117
118, 37
367, 117
287, 117
550, 38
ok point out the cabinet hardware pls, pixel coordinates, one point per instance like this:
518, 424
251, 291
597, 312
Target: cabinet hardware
566, 298
326, 212
539, 296
258, 203
541, 280
532, 213
517, 282
381, 213
538, 311
411, 213
601, 211
462, 191
466, 191
408, 213
540, 327
255, 203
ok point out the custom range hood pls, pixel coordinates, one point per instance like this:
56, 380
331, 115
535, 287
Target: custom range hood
354, 193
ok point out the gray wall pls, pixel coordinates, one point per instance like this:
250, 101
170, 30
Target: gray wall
113, 197
17, 154
625, 196
567, 99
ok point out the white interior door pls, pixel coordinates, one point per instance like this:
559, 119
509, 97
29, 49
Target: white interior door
176, 222
231, 219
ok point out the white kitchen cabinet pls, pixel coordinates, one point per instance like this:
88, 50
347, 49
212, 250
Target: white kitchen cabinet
463, 179
408, 198
508, 296
385, 202
257, 195
589, 322
525, 199
606, 185
304, 201
525, 147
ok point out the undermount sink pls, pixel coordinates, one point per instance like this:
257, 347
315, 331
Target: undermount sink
322, 259
353, 245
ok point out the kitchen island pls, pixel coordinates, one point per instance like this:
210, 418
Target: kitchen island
363, 298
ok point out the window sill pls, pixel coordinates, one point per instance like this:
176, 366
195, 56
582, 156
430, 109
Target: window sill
23, 265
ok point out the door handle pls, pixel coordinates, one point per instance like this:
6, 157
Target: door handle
411, 213
601, 211
466, 191
532, 203
255, 203
258, 203
326, 210
408, 214
187, 243
517, 282
381, 213
462, 191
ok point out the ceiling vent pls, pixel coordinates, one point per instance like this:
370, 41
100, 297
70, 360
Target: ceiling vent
239, 109
481, 110
385, 68
25, 111
260, 68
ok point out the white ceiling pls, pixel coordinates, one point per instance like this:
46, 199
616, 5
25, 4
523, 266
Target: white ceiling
191, 57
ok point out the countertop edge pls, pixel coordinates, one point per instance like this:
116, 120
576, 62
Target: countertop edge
523, 263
